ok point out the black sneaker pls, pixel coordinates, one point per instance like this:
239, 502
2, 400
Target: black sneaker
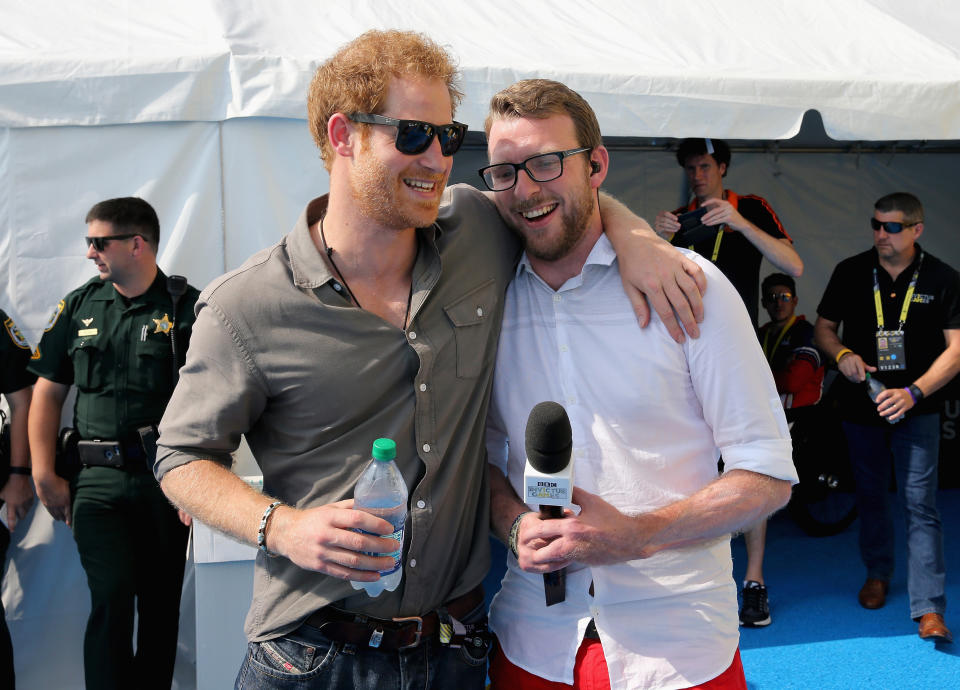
755, 612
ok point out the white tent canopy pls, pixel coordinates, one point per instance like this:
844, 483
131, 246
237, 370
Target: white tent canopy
198, 106
875, 69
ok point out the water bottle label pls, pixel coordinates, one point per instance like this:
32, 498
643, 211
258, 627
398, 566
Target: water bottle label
397, 555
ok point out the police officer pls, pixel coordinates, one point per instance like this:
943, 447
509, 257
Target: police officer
120, 338
16, 384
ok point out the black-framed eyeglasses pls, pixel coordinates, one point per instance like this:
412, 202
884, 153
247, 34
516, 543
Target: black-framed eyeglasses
415, 136
99, 243
772, 297
890, 226
543, 167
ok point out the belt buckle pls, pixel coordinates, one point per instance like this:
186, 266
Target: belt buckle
411, 619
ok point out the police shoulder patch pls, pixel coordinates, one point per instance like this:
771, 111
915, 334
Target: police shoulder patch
15, 335
55, 316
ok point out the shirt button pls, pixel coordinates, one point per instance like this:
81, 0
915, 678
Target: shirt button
413, 562
479, 311
423, 387
412, 335
557, 298
421, 504
337, 287
426, 447
563, 348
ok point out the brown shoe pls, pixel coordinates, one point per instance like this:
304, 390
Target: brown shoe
873, 594
932, 627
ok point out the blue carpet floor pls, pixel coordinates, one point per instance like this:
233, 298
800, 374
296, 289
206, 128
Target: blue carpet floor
821, 638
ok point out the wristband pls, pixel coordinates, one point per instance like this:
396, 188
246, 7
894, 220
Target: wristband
915, 392
514, 532
839, 355
20, 470
262, 532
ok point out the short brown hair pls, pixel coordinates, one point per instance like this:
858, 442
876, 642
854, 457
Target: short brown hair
356, 78
905, 202
128, 215
541, 98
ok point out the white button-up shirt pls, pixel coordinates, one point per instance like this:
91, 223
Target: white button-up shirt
650, 419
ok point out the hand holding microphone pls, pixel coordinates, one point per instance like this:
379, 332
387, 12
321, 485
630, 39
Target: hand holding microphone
548, 476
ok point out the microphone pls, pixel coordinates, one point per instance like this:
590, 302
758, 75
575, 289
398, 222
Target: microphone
548, 476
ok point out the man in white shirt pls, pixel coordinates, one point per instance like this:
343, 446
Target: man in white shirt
650, 598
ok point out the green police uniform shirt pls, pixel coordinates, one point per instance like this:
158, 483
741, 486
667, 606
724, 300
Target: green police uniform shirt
15, 355
117, 352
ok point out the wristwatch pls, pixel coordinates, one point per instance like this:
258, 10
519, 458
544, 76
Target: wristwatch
915, 392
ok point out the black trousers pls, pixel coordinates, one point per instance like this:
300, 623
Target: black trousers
132, 547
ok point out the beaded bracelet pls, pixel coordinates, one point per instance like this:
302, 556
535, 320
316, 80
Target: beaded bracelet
262, 532
514, 533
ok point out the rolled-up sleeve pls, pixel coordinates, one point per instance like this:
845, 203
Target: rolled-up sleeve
219, 396
736, 388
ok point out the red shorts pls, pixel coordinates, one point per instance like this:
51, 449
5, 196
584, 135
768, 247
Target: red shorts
590, 673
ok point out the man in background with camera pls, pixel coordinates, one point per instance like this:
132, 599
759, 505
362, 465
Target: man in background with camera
736, 232
15, 489
120, 339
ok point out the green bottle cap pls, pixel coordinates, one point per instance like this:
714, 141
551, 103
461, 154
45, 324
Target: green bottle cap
384, 450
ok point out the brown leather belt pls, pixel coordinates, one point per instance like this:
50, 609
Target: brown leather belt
388, 634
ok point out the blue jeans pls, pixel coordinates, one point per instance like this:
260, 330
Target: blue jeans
913, 446
305, 659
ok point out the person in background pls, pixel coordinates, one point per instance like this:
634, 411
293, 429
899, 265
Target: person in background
787, 341
16, 492
747, 230
900, 310
120, 339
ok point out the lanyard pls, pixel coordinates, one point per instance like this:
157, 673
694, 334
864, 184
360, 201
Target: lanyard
716, 245
906, 299
766, 336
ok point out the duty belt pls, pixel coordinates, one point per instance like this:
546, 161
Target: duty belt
125, 453
388, 634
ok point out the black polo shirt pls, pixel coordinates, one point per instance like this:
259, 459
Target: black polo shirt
848, 300
738, 258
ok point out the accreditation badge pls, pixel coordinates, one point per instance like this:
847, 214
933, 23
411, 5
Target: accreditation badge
891, 354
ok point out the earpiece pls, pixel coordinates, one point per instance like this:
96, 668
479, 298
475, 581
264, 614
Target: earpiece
594, 167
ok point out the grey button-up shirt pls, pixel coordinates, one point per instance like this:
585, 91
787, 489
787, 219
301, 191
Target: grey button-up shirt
281, 356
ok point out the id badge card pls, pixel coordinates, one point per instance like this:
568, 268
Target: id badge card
891, 355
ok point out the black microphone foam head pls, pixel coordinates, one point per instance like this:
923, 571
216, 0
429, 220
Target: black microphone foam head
548, 438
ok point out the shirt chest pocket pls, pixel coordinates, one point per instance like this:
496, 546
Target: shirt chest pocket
88, 364
152, 368
473, 317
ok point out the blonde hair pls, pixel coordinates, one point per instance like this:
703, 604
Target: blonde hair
356, 78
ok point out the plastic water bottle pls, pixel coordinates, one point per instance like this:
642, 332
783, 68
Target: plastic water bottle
381, 491
875, 388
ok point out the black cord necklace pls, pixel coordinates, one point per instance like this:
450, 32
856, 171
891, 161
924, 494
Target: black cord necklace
343, 281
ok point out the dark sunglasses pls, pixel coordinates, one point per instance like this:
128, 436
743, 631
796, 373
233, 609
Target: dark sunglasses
415, 136
772, 297
99, 243
891, 227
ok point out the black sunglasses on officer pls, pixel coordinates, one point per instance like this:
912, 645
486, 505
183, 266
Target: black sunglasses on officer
100, 243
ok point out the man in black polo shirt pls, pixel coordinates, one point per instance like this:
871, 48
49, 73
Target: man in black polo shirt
900, 310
